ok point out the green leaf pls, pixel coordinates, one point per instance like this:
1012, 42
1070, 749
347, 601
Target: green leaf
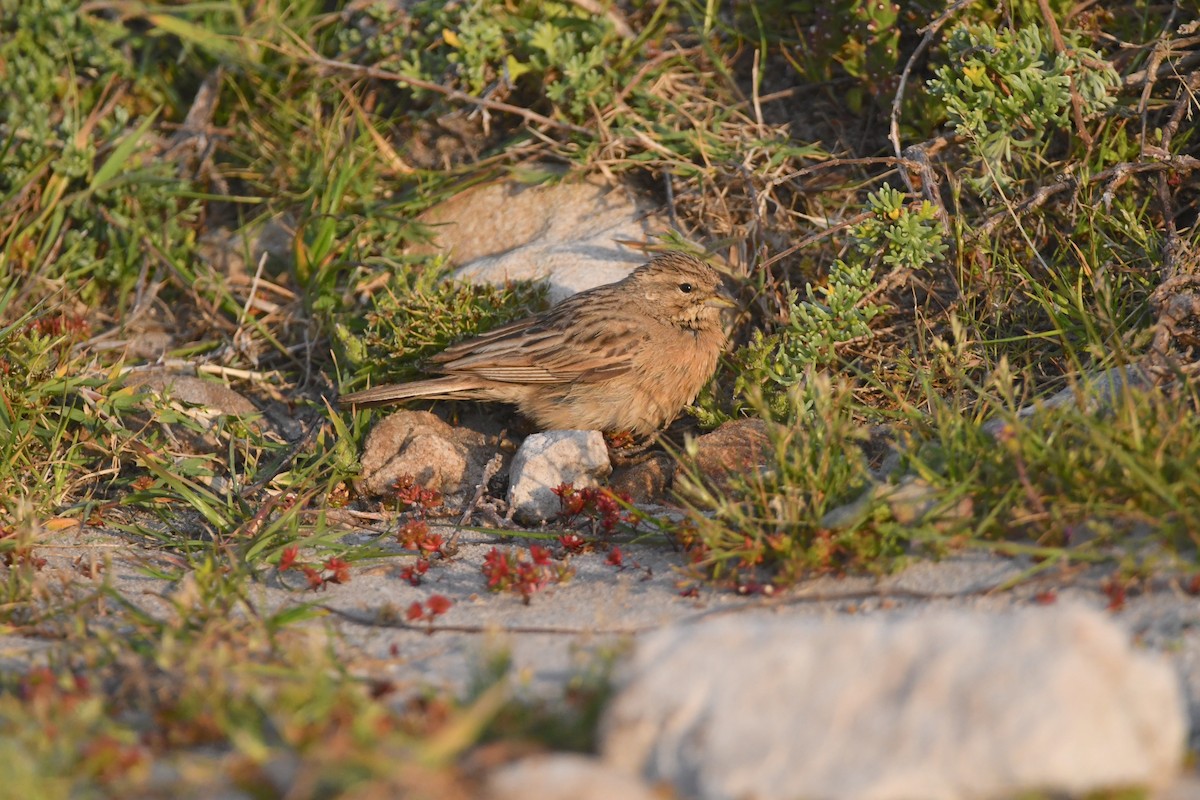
215, 44
121, 154
515, 68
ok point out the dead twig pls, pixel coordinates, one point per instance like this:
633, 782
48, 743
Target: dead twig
1155, 69
1171, 243
930, 32
816, 237
916, 154
375, 73
1060, 47
1172, 312
490, 470
1116, 172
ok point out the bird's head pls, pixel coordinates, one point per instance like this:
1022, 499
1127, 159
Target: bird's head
682, 290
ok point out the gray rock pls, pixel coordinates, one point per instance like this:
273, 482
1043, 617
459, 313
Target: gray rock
420, 445
1098, 393
237, 253
941, 705
912, 501
569, 234
564, 776
205, 401
547, 460
142, 340
566, 268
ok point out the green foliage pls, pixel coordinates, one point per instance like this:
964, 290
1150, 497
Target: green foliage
770, 524
831, 315
46, 427
100, 218
1007, 91
554, 48
37, 38
771, 365
419, 313
902, 236
75, 163
863, 37
1087, 473
853, 42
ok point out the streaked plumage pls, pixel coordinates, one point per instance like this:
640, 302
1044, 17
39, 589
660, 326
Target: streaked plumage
626, 356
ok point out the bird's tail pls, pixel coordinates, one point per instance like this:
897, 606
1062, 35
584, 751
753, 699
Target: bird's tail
448, 388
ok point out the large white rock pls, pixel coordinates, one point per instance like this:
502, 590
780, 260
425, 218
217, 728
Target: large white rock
570, 234
940, 705
564, 776
546, 460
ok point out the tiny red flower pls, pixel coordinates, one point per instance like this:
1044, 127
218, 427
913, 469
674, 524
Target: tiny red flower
1116, 591
570, 502
415, 612
1046, 598
340, 570
511, 570
413, 572
540, 555
571, 542
497, 569
412, 533
411, 493
615, 557
287, 559
438, 605
315, 581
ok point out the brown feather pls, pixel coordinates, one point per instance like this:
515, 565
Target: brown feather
624, 356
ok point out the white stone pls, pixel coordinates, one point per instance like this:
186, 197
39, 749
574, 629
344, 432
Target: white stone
564, 776
547, 460
935, 706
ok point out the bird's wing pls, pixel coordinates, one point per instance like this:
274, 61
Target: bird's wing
544, 349
465, 347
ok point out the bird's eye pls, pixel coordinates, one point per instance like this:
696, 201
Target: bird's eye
686, 288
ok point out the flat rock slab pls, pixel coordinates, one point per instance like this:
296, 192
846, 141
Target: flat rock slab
570, 234
211, 394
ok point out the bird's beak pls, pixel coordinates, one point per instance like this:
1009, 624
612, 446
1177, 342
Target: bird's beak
721, 299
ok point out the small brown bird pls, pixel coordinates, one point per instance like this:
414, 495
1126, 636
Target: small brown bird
623, 357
